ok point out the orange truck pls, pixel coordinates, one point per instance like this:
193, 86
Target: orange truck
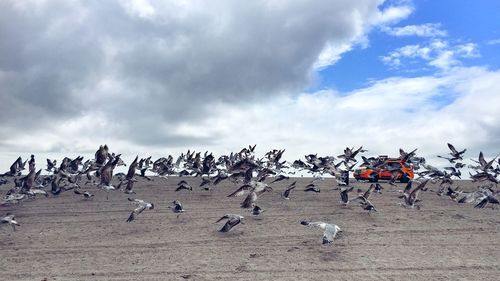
385, 171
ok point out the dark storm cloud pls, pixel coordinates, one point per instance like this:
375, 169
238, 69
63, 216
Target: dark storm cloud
141, 65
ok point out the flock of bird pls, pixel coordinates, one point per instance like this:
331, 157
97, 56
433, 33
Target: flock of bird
250, 173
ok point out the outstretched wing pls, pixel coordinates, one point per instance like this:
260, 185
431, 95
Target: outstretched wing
452, 148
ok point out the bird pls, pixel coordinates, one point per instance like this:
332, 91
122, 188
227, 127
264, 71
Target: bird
232, 221
9, 219
286, 193
365, 203
344, 195
141, 206
330, 230
280, 178
183, 185
257, 210
487, 199
85, 194
312, 187
410, 198
176, 207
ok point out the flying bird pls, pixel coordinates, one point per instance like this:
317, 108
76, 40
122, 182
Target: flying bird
312, 187
330, 230
9, 219
232, 221
141, 206
85, 194
286, 193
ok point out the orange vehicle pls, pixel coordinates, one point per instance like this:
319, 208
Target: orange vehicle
384, 173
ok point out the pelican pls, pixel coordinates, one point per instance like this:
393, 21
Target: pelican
331, 230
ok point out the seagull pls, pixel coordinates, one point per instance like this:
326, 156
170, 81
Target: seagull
10, 219
13, 198
331, 230
183, 185
141, 206
176, 207
232, 221
456, 155
344, 195
410, 198
312, 187
287, 191
86, 194
487, 199
279, 178
257, 210
365, 203
378, 188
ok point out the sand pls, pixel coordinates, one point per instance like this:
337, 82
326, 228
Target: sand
68, 238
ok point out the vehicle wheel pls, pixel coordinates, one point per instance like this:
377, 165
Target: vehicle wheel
404, 178
373, 177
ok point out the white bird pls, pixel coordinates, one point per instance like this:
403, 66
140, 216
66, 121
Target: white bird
331, 230
10, 219
13, 198
141, 206
232, 221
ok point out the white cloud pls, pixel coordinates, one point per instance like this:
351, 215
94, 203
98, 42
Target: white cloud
494, 41
393, 14
437, 53
423, 30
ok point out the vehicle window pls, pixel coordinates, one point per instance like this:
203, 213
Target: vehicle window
393, 165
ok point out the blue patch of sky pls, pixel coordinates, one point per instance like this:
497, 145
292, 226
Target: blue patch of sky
465, 21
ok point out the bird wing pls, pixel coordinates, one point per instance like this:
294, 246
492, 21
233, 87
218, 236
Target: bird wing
482, 203
223, 217
452, 148
230, 223
368, 192
249, 200
240, 191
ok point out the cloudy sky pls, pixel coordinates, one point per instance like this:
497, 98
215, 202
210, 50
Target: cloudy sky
159, 77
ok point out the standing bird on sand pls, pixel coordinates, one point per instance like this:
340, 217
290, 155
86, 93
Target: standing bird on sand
232, 221
141, 206
331, 230
176, 207
9, 219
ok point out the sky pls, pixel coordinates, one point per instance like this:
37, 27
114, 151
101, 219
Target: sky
160, 77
